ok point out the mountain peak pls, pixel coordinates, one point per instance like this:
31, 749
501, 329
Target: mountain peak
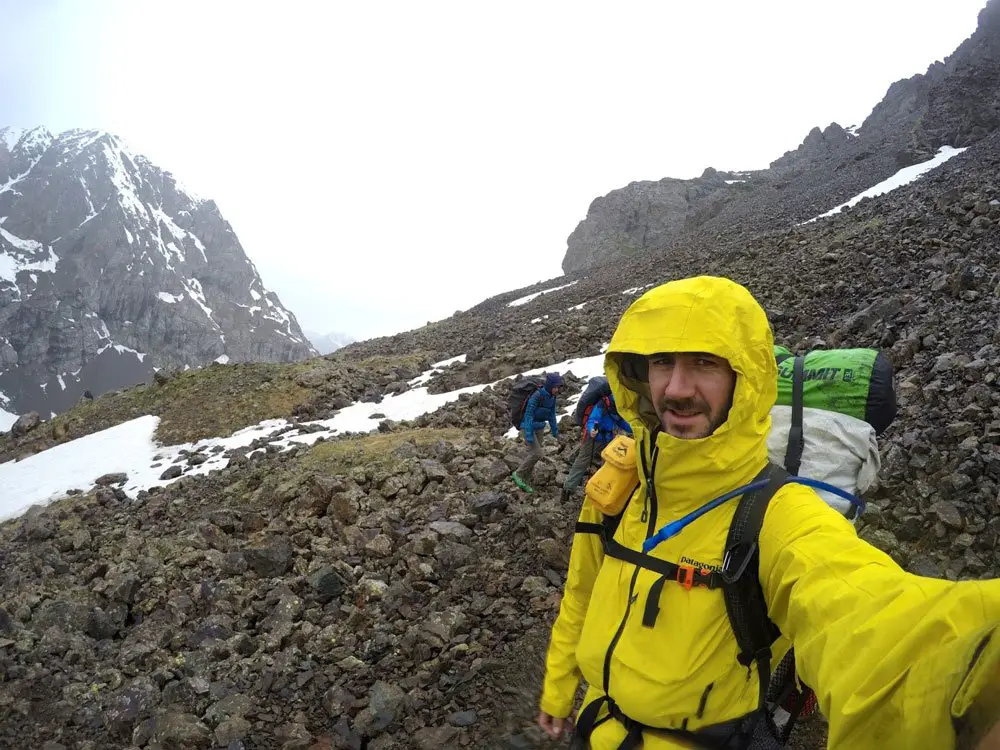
111, 259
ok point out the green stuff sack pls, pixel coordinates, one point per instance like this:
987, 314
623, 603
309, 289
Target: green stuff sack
856, 382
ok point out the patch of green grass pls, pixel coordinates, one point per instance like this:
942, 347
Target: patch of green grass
375, 450
192, 405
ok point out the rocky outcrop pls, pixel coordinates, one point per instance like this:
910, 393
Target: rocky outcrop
101, 250
955, 103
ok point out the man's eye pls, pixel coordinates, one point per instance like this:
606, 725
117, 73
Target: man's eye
707, 362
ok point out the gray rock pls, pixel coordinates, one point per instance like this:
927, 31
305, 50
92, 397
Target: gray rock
172, 472
463, 718
385, 700
180, 731
25, 424
108, 479
230, 731
271, 560
327, 583
487, 502
434, 738
450, 528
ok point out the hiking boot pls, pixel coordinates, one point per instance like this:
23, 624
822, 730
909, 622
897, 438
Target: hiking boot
566, 496
521, 483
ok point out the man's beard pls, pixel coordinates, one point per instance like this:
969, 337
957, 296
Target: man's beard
690, 407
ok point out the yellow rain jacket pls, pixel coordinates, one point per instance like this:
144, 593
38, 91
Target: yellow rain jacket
896, 660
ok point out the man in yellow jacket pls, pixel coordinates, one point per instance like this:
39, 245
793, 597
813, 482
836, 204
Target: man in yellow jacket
896, 660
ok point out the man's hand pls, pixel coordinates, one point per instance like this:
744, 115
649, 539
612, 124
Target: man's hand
554, 727
990, 742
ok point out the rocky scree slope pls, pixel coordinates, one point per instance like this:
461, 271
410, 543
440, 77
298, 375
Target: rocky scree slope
109, 267
394, 591
954, 103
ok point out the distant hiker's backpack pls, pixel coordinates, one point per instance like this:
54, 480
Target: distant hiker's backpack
597, 388
520, 392
829, 404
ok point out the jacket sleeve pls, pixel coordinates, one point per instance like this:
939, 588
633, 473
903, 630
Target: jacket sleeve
553, 417
528, 421
621, 424
562, 675
896, 660
595, 417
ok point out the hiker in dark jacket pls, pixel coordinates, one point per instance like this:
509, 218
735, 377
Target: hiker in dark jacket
539, 411
603, 422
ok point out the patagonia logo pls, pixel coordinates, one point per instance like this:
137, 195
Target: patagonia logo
685, 560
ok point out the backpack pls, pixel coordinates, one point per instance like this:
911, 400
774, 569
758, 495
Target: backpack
520, 392
782, 697
597, 388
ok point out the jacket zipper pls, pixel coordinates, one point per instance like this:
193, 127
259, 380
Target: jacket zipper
650, 504
704, 700
618, 633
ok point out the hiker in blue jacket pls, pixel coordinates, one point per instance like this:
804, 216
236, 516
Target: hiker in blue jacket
540, 409
602, 424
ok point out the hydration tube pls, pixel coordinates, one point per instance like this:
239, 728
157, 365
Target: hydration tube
675, 527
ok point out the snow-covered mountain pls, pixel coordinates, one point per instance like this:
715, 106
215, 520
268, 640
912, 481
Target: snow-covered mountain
326, 343
110, 268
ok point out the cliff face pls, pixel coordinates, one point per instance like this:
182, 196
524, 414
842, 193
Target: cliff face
955, 103
108, 268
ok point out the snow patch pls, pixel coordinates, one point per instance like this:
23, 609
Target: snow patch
10, 136
120, 178
222, 359
7, 421
525, 300
195, 292
255, 295
130, 447
436, 367
10, 266
577, 307
903, 177
123, 350
170, 299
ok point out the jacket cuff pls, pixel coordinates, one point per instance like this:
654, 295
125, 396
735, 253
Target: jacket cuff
560, 708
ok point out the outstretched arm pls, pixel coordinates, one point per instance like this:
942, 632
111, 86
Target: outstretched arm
896, 660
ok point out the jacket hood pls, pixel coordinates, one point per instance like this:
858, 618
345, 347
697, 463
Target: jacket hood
700, 314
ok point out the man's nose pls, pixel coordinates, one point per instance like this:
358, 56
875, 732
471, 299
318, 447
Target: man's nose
680, 385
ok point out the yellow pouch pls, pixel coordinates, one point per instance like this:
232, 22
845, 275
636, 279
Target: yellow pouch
610, 487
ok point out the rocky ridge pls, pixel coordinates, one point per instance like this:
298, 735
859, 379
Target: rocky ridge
953, 104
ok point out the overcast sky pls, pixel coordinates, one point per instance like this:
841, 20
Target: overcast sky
387, 163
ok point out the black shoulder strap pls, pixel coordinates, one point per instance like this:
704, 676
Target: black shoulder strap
741, 588
796, 439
